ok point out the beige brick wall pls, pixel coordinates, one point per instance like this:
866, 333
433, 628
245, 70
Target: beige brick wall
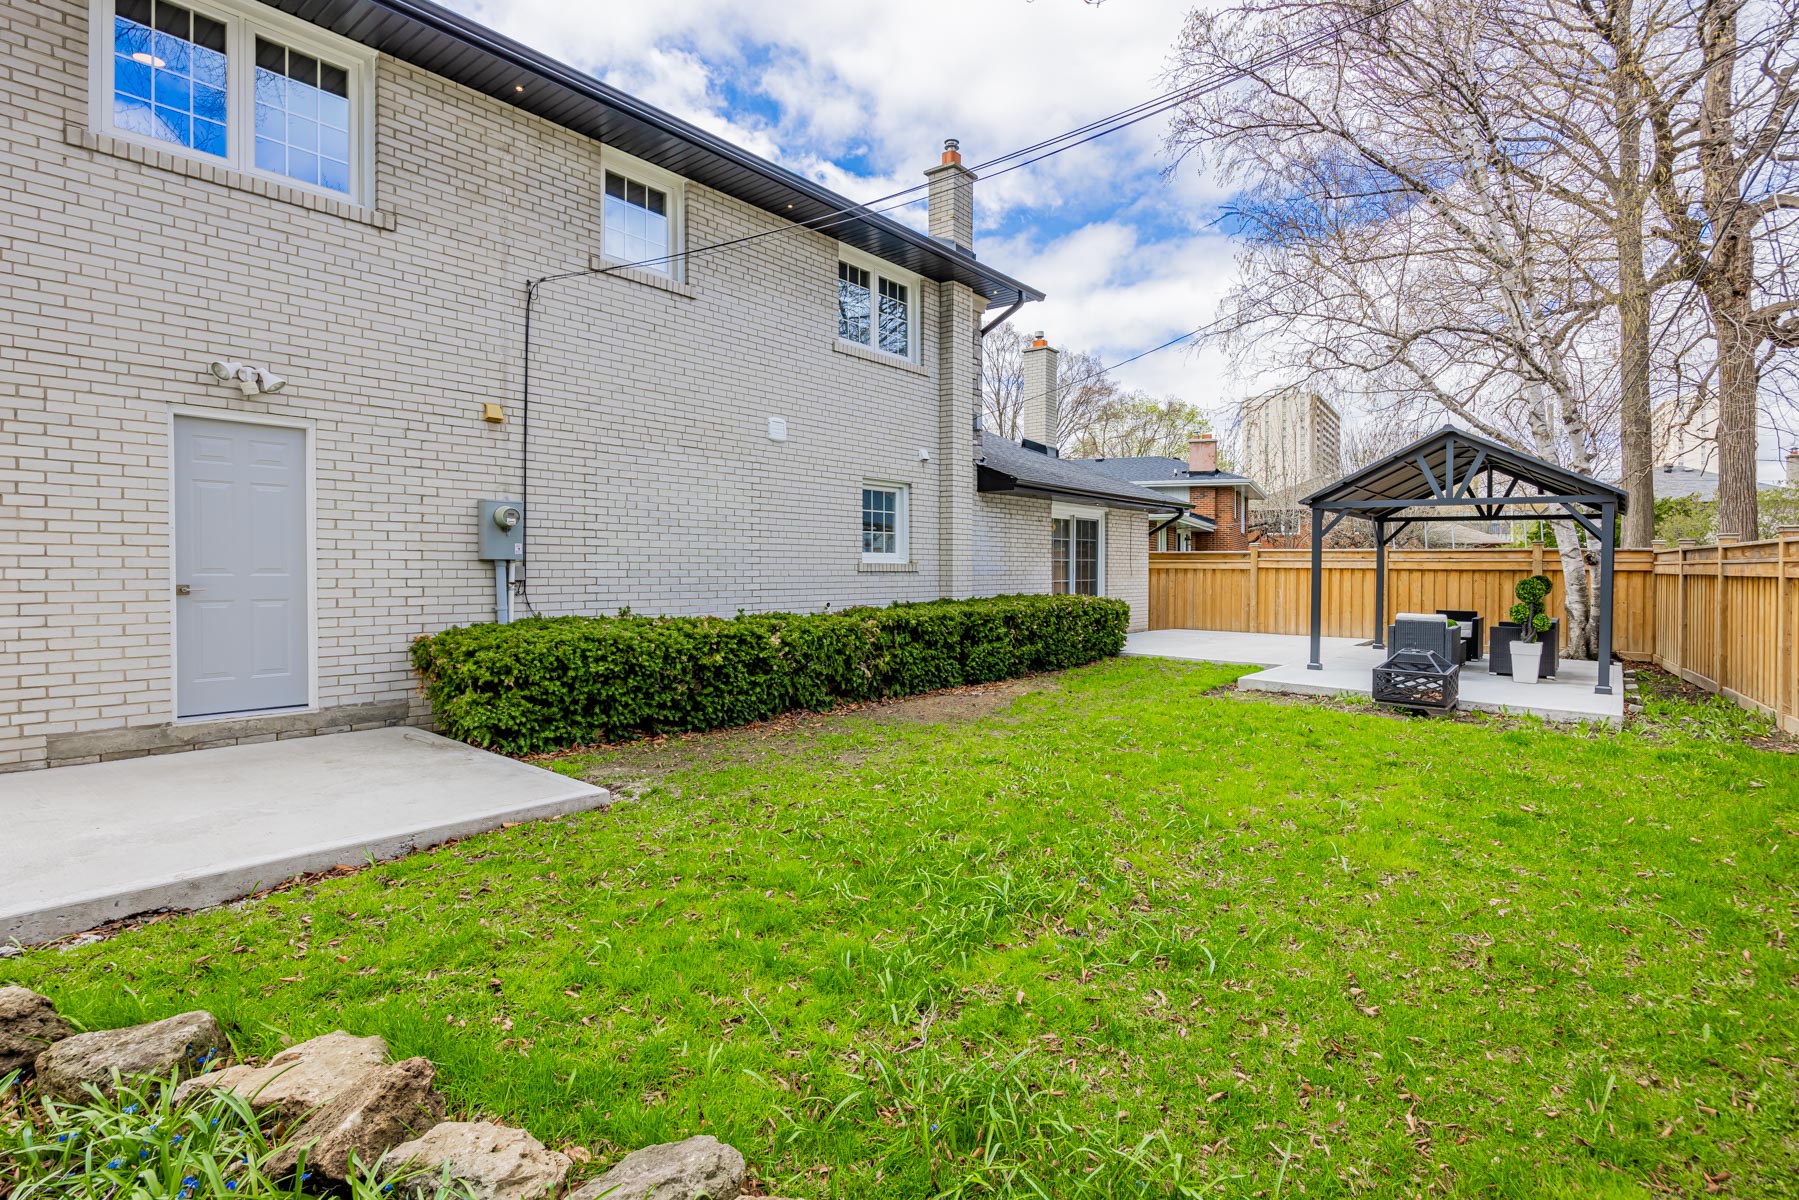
653, 483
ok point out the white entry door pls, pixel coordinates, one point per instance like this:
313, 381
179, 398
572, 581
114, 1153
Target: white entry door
240, 567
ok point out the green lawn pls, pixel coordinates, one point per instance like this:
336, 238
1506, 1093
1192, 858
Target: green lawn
1118, 936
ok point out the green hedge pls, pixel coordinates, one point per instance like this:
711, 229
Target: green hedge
550, 682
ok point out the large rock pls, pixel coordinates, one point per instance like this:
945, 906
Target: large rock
28, 1026
181, 1045
299, 1079
493, 1162
699, 1167
379, 1111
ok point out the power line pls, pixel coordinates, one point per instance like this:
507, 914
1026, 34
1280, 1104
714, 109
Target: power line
1049, 147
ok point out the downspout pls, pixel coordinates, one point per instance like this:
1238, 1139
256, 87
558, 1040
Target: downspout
990, 326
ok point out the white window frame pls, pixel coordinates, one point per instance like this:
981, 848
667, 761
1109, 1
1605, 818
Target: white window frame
1072, 512
244, 21
879, 269
902, 517
669, 184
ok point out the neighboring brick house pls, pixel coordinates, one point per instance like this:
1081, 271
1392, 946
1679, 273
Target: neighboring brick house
1218, 501
350, 198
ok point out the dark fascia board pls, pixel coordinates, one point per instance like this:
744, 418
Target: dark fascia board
989, 480
448, 44
1401, 467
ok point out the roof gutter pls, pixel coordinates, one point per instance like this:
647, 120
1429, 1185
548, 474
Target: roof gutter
359, 21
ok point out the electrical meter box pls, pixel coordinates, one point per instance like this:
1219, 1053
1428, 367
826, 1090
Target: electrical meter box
502, 530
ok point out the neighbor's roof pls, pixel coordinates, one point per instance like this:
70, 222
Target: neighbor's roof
1005, 466
1453, 464
450, 45
1160, 471
1672, 479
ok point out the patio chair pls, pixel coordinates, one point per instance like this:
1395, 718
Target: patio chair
1425, 631
1470, 626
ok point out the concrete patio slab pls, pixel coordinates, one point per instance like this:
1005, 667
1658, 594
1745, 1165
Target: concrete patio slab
1349, 670
84, 845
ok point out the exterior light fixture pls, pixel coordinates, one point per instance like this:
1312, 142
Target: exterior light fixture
247, 379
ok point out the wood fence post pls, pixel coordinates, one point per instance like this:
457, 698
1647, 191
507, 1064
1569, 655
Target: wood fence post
1719, 660
1536, 561
1783, 659
1680, 608
1255, 566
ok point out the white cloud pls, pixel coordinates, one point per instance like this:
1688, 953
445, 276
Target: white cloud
860, 97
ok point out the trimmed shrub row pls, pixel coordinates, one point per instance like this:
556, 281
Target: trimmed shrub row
550, 682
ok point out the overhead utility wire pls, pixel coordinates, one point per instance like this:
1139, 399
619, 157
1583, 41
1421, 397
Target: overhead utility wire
1050, 147
1068, 140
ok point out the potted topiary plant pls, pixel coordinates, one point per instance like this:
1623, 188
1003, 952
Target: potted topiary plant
1532, 622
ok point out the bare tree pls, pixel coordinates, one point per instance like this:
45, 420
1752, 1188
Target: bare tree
1390, 249
1002, 381
1727, 203
1095, 417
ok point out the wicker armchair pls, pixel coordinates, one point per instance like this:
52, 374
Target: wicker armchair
1425, 631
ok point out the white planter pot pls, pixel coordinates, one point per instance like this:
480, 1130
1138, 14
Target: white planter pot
1527, 661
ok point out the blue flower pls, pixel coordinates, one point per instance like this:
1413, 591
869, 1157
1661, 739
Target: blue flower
214, 1124
190, 1181
305, 1175
62, 1137
231, 1185
130, 1108
113, 1164
175, 1141
144, 1153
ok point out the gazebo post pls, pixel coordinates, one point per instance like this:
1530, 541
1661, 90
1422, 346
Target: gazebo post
1608, 521
1317, 664
1380, 583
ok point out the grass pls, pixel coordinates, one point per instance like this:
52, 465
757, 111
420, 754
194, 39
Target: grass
141, 1143
1118, 935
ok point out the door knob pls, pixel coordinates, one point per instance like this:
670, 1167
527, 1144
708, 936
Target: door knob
182, 589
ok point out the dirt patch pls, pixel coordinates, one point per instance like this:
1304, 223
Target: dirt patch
626, 768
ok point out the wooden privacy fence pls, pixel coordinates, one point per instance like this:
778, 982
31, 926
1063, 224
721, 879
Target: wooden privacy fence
1727, 624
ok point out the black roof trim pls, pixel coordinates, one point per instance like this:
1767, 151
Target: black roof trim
1005, 466
1387, 485
448, 44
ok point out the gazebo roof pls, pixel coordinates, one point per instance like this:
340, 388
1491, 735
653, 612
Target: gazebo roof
1453, 467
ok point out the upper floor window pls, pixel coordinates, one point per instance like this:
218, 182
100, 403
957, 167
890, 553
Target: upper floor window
302, 116
875, 308
636, 222
239, 83
640, 214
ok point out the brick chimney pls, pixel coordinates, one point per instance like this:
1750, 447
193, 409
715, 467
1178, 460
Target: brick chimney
1038, 412
1793, 467
1202, 452
952, 199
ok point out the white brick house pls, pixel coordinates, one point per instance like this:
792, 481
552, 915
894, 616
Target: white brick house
353, 196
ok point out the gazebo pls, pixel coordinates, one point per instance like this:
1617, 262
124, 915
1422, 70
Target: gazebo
1446, 476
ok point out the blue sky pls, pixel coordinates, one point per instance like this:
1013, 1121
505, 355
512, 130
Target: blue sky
861, 96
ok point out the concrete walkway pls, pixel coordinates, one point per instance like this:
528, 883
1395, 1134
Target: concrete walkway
81, 846
1349, 670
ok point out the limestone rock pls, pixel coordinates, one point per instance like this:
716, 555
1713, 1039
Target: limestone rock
28, 1027
185, 1044
699, 1167
300, 1078
495, 1163
385, 1107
